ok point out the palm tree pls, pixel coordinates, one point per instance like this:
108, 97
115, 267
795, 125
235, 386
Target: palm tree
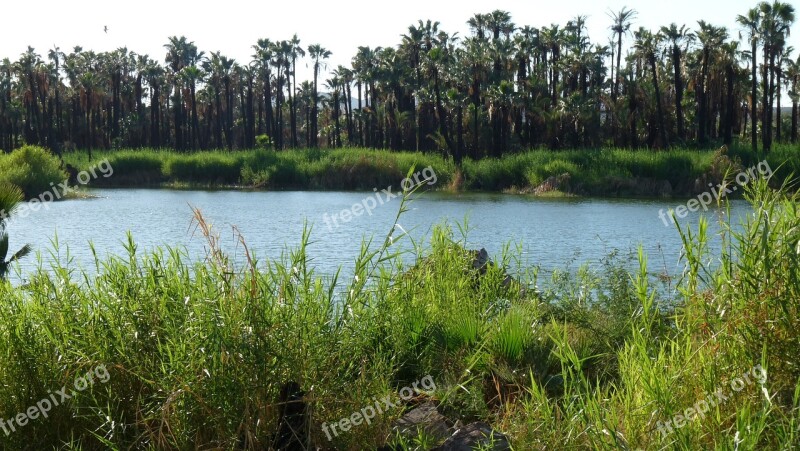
264, 55
228, 68
622, 25
180, 53
90, 81
10, 198
6, 108
279, 62
476, 59
752, 24
56, 56
439, 57
499, 22
711, 38
729, 55
191, 75
295, 51
333, 85
317, 53
677, 37
647, 45
776, 21
215, 70
28, 68
792, 78
478, 25
412, 46
155, 77
784, 54
345, 77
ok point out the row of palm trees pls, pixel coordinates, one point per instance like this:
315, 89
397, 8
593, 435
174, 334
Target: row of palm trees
501, 88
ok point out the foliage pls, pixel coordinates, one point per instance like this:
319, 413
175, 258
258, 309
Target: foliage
10, 198
611, 172
498, 89
198, 351
34, 169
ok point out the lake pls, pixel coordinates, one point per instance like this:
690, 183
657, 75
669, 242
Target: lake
552, 233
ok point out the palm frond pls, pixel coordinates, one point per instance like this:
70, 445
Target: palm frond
10, 198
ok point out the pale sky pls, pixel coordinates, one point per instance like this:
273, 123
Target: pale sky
233, 26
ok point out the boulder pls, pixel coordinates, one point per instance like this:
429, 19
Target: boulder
424, 417
476, 436
554, 183
481, 261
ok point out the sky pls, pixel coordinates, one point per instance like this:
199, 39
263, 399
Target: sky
233, 26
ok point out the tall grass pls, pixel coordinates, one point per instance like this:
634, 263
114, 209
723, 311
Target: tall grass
198, 351
607, 172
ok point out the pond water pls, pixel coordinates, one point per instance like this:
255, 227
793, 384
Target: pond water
552, 233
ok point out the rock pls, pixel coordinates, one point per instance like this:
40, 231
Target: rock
481, 261
72, 174
665, 189
554, 183
424, 417
476, 436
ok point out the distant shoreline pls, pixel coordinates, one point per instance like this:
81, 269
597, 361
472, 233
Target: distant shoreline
612, 173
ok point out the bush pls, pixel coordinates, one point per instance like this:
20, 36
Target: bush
33, 169
264, 142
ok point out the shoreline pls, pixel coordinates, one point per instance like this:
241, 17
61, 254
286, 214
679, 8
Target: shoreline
603, 173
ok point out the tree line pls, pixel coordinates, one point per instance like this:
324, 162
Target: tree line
502, 88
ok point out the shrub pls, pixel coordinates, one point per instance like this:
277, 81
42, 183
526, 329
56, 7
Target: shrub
33, 169
264, 142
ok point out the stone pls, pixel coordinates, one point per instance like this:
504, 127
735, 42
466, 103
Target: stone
424, 417
476, 436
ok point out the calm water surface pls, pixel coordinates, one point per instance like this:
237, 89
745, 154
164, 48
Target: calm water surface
552, 233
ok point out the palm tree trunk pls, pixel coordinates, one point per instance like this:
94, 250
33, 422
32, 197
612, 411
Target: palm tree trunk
251, 117
778, 125
195, 121
765, 100
440, 111
314, 108
117, 103
794, 111
155, 108
662, 131
292, 100
730, 107
228, 113
348, 111
459, 154
337, 140
676, 59
360, 115
619, 60
771, 100
753, 99
702, 117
